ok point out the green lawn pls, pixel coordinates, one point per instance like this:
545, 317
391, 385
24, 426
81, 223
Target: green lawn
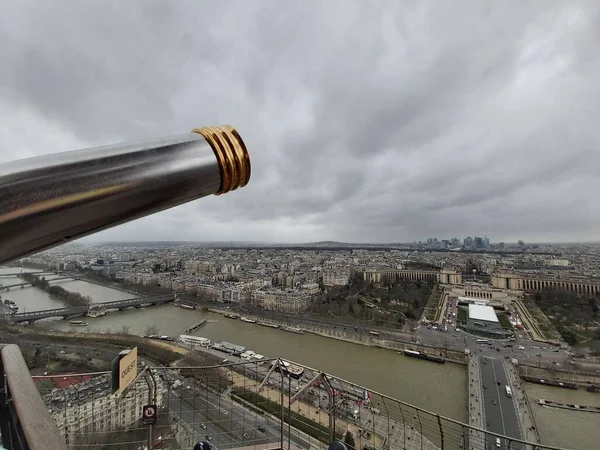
504, 321
295, 419
462, 315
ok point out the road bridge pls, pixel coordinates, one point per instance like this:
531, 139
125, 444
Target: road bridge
14, 285
16, 274
80, 310
27, 283
499, 409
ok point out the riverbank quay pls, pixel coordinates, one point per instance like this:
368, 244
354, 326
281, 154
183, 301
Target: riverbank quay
581, 379
163, 352
368, 341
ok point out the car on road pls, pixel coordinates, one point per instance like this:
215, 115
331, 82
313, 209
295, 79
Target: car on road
498, 443
262, 429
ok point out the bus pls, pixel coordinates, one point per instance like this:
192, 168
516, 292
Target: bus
482, 341
508, 391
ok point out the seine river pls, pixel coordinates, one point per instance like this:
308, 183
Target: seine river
438, 388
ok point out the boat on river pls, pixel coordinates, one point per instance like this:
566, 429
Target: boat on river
553, 404
267, 324
423, 356
293, 330
78, 323
288, 369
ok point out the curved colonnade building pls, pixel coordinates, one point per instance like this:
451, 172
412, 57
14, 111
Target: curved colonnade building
499, 280
517, 282
444, 276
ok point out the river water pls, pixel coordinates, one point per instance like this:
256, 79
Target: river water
438, 388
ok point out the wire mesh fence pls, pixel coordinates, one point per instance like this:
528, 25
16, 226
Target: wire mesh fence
258, 404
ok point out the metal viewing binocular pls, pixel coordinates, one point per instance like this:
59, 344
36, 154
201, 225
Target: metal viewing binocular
50, 200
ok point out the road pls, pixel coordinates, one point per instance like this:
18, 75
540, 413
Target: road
182, 411
225, 421
499, 409
523, 348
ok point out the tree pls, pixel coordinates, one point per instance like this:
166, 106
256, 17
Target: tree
125, 329
349, 441
152, 330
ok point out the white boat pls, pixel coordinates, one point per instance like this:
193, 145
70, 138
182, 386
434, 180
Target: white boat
292, 330
287, 368
78, 323
245, 319
195, 341
267, 324
247, 355
260, 359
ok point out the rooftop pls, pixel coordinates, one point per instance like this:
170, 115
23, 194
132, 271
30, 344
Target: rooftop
472, 300
481, 312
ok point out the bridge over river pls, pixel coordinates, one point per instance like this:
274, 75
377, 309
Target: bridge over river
22, 284
17, 274
73, 311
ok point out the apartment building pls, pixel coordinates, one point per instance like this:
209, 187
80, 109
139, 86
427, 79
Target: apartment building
89, 408
226, 293
336, 277
284, 301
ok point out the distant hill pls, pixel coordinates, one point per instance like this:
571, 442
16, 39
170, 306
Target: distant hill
320, 243
344, 244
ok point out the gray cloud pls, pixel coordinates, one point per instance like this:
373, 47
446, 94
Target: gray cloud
386, 121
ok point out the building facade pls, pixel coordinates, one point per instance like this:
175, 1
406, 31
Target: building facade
513, 281
80, 410
444, 276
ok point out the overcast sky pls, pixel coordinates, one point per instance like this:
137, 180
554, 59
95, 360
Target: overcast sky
365, 121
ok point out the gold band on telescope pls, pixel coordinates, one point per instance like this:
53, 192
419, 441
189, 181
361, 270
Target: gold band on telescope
231, 154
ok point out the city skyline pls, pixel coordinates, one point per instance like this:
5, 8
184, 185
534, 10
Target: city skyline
95, 241
378, 123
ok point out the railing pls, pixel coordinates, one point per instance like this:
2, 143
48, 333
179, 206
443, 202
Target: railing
24, 419
249, 404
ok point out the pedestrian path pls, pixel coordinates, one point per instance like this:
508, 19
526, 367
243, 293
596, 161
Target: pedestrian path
524, 413
371, 428
476, 411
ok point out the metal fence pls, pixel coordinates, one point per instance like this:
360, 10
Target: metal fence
268, 404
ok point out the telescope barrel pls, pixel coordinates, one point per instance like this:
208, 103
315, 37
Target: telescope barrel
50, 200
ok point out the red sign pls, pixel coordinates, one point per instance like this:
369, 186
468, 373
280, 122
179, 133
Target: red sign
149, 414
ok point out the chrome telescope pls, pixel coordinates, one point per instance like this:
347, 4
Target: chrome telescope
50, 200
